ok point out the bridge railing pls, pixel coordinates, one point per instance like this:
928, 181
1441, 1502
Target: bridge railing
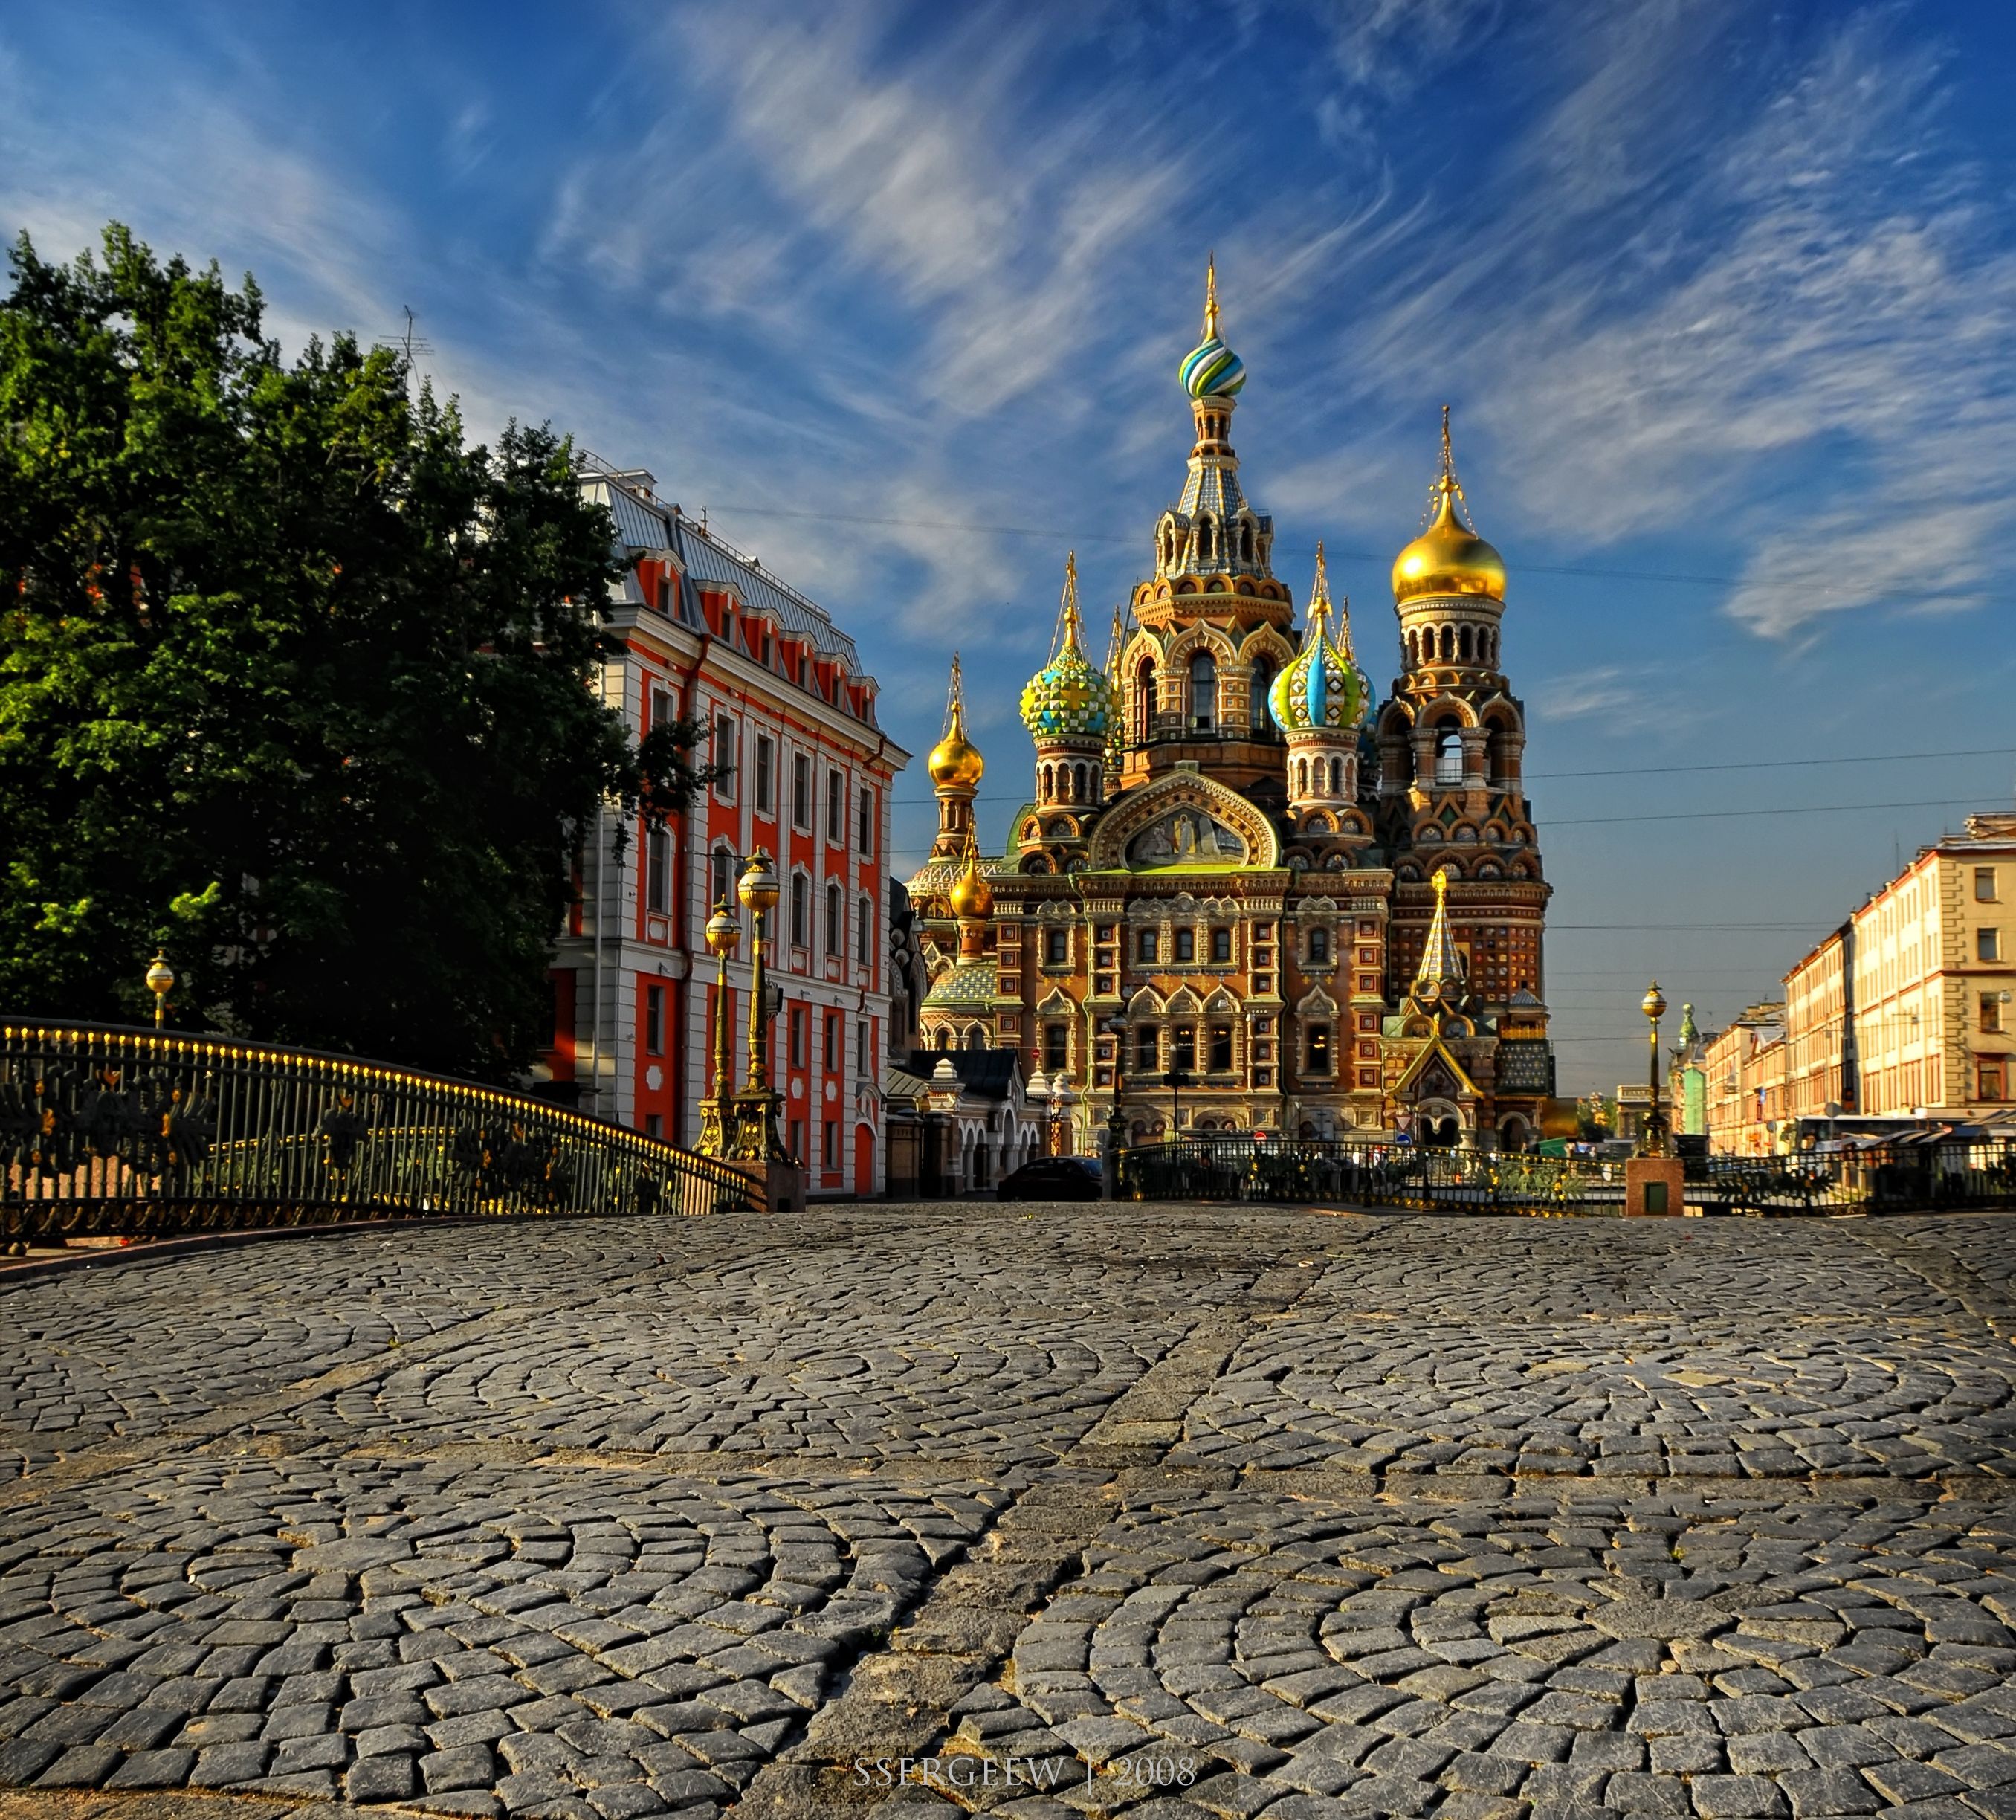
136, 1133
1887, 1178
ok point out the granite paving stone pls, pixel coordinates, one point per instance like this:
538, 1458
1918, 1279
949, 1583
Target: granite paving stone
1195, 1510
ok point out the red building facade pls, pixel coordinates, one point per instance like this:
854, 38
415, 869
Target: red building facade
707, 633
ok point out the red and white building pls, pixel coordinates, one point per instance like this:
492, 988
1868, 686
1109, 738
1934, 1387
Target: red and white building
709, 634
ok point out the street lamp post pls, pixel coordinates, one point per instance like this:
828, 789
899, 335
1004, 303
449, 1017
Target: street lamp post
1109, 1173
717, 1116
160, 982
1062, 1100
1653, 1142
757, 1139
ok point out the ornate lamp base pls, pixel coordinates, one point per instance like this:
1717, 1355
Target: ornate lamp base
757, 1138
717, 1126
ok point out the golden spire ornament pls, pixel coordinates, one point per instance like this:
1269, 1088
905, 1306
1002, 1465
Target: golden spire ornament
1211, 331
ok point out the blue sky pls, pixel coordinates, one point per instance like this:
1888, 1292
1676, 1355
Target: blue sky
1723, 296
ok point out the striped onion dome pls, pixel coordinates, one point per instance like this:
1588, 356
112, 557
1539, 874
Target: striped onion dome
1210, 369
1069, 695
1323, 686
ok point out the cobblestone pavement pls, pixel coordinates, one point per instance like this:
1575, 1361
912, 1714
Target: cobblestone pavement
1175, 1512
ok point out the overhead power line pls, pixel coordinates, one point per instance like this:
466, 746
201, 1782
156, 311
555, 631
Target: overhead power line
1057, 534
1674, 770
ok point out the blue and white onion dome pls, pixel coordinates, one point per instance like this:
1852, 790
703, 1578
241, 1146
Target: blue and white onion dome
1211, 369
1323, 686
1068, 696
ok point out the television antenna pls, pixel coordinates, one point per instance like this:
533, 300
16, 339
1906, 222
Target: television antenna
407, 344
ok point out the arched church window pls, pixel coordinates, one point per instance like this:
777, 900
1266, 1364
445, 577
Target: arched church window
1448, 644
1263, 688
1207, 539
1463, 643
1301, 776
1144, 701
1336, 776
1203, 691
1318, 947
1246, 543
1448, 753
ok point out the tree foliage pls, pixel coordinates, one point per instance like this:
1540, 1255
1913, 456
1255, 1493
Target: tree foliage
294, 681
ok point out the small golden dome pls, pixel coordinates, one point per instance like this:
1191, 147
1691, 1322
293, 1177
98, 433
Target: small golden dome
1447, 558
971, 896
956, 762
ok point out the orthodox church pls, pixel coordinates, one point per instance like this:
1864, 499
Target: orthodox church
1247, 894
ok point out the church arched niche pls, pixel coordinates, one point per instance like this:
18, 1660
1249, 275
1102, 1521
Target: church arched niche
1144, 701
1501, 747
1448, 751
1203, 691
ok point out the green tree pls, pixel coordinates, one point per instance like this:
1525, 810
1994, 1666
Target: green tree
293, 680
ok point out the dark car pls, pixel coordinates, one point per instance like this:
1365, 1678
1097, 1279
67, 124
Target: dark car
1052, 1178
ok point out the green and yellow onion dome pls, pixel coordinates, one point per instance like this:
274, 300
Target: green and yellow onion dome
1068, 696
1323, 686
1211, 369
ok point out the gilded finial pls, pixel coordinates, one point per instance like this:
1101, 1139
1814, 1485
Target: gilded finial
1441, 883
955, 716
1319, 588
1070, 627
1448, 457
1211, 298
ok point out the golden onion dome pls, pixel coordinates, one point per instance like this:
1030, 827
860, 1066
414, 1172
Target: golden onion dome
956, 762
1447, 558
971, 896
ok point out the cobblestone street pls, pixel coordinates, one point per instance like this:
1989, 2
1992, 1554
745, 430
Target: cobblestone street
1172, 1511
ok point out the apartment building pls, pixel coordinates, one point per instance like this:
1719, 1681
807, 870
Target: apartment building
707, 633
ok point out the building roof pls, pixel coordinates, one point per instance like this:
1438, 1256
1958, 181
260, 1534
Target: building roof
647, 526
989, 1073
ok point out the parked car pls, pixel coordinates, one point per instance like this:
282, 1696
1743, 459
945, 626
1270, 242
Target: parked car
1052, 1178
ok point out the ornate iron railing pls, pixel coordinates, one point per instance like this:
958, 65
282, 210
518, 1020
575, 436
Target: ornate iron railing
1890, 1178
141, 1133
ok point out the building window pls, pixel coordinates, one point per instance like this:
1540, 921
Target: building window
658, 871
802, 791
1984, 884
1185, 946
1988, 944
1057, 1047
1221, 1049
654, 1020
1183, 1057
1448, 756
833, 1041
836, 807
1994, 1081
829, 1144
722, 756
801, 909
836, 922
865, 831
1145, 946
1056, 947
861, 1047
766, 775
661, 709
1318, 1049
796, 1144
800, 1035
721, 879
864, 931
654, 1124
1991, 1012
1203, 691
1221, 947
1318, 947
1147, 1051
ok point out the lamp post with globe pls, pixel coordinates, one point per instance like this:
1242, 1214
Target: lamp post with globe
757, 1139
160, 982
1653, 1143
717, 1115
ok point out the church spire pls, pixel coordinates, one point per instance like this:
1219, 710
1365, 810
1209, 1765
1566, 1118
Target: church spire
1441, 974
1211, 328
